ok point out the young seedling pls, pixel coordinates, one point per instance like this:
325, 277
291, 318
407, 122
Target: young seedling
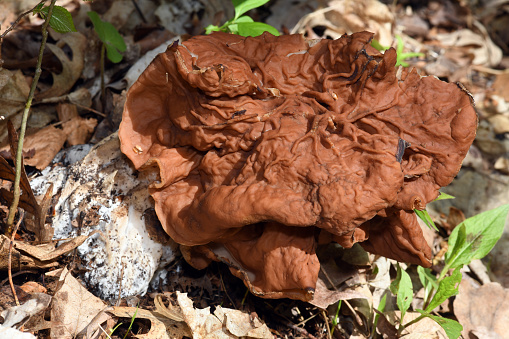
400, 45
112, 43
242, 24
473, 239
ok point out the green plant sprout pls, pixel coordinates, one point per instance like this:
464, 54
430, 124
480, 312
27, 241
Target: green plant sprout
112, 43
61, 19
424, 215
473, 239
243, 24
401, 57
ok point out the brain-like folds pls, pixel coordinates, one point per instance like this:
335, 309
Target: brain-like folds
268, 146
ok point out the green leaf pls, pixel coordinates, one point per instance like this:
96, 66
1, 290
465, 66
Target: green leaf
244, 18
451, 327
211, 28
424, 215
475, 237
443, 196
242, 6
109, 35
447, 288
402, 288
381, 309
61, 19
428, 280
255, 28
376, 44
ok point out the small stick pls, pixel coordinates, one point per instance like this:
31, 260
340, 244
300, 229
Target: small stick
9, 264
16, 274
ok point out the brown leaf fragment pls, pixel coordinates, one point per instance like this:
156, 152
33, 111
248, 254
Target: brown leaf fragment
160, 326
48, 252
79, 130
19, 261
46, 142
481, 308
73, 307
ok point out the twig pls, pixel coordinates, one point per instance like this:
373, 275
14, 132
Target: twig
326, 318
18, 20
224, 288
9, 264
19, 153
139, 11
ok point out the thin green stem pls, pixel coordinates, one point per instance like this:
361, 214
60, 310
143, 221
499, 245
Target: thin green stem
402, 327
26, 111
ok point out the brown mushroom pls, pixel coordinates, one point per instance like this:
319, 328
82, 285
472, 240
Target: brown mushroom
267, 145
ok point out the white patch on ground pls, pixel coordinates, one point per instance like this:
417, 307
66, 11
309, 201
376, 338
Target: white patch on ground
103, 192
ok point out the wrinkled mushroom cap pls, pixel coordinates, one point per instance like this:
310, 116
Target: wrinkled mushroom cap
266, 145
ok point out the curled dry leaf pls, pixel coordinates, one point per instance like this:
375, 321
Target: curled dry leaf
23, 262
344, 16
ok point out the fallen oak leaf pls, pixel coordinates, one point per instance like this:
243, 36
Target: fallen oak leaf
71, 69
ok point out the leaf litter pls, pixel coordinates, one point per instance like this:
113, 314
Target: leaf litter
469, 46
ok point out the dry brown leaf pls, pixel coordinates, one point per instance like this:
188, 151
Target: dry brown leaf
484, 307
13, 94
66, 111
19, 261
79, 130
33, 287
46, 142
160, 326
73, 307
71, 68
324, 297
48, 252
344, 16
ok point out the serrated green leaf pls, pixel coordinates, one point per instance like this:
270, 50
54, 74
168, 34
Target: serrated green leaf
61, 19
447, 288
443, 196
451, 327
109, 35
242, 6
402, 288
255, 29
424, 216
475, 237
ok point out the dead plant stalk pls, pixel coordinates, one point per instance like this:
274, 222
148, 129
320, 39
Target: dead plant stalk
26, 111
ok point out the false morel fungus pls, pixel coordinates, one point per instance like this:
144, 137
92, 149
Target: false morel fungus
267, 146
